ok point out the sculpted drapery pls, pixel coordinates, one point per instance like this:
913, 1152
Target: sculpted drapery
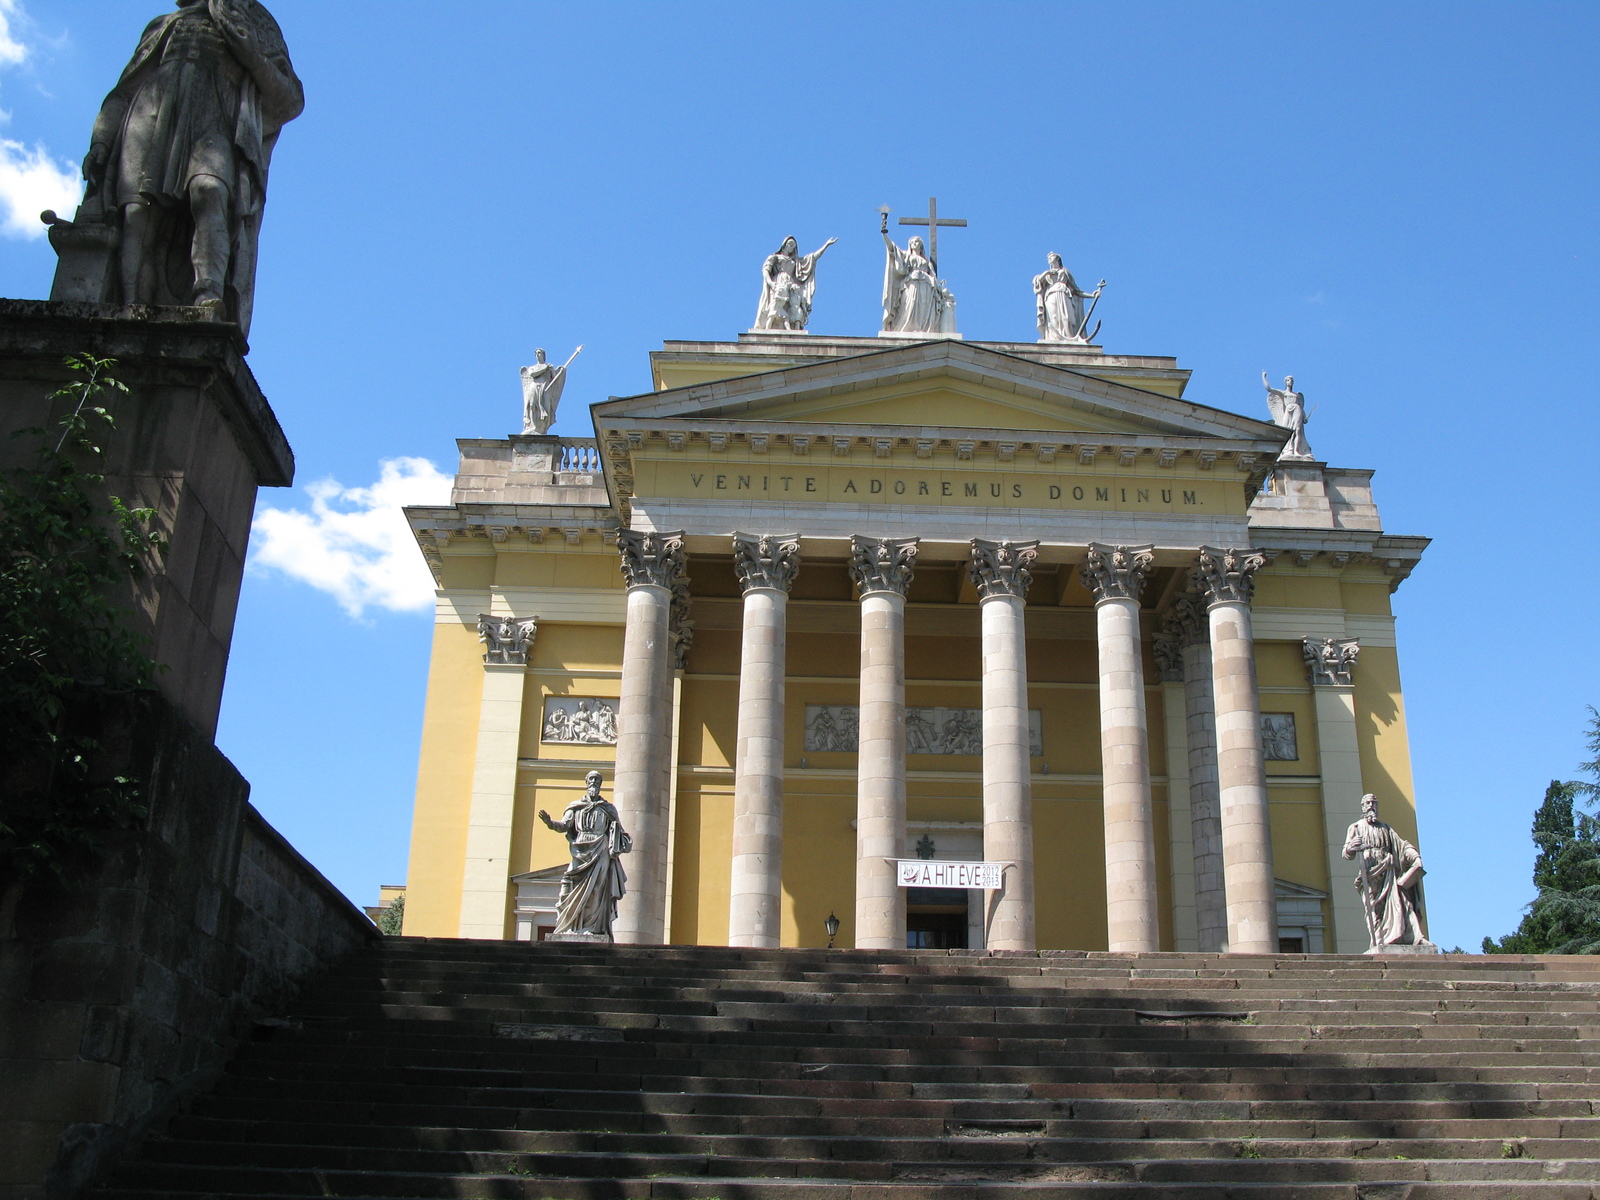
595, 880
1058, 306
788, 283
915, 300
1390, 880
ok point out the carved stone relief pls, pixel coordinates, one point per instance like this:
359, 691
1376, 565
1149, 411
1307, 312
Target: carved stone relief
1331, 661
1278, 740
835, 727
579, 721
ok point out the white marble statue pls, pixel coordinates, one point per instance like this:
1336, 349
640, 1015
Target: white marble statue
542, 385
1390, 882
1288, 409
594, 881
788, 282
1058, 304
915, 299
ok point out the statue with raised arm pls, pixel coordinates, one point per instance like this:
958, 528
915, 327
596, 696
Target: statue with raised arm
1390, 883
176, 174
788, 282
1058, 304
594, 881
542, 385
915, 299
1288, 408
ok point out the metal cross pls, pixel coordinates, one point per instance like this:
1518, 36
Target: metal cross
933, 220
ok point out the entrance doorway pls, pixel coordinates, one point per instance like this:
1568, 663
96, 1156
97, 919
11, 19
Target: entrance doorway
936, 918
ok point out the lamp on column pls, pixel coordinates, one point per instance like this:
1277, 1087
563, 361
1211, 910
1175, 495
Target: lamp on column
832, 926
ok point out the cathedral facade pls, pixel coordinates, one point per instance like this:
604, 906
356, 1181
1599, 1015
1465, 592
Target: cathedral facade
821, 609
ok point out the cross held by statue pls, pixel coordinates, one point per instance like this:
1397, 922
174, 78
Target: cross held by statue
933, 220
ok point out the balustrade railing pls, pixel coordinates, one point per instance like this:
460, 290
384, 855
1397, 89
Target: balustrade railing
579, 455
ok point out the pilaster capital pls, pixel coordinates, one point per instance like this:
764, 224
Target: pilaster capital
1168, 649
650, 559
1001, 568
766, 560
506, 639
1226, 576
882, 564
1116, 572
1331, 661
1186, 620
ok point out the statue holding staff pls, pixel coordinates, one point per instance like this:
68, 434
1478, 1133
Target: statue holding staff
1390, 882
542, 385
594, 880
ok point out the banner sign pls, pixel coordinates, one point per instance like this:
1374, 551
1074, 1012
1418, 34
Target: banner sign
927, 873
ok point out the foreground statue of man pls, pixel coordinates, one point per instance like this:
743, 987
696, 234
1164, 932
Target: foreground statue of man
595, 880
176, 174
1390, 882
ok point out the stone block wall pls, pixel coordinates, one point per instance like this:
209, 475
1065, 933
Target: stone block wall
127, 989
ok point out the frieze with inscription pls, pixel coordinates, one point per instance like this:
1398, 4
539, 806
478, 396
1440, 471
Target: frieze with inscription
836, 728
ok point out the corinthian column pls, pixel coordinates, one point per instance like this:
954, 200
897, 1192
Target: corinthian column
881, 570
766, 566
1192, 627
651, 565
1227, 579
999, 571
1115, 575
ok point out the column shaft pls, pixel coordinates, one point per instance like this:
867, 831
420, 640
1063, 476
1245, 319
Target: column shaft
644, 743
754, 902
1242, 784
1131, 919
1007, 772
881, 774
1210, 899
484, 882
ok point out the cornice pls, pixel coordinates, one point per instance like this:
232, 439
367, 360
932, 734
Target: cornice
436, 528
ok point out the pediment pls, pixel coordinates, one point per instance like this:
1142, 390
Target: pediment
945, 384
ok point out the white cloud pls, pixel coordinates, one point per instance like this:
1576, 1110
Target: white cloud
355, 544
30, 182
12, 51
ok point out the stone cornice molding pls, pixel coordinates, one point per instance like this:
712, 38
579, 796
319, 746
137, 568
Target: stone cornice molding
1116, 572
650, 559
882, 564
1331, 662
1001, 568
506, 639
766, 560
1226, 576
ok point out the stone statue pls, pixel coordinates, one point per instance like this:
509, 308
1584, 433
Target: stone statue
1288, 409
594, 880
1058, 305
915, 299
176, 174
542, 385
788, 281
1390, 883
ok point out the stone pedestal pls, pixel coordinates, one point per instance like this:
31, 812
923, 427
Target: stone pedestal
194, 439
588, 939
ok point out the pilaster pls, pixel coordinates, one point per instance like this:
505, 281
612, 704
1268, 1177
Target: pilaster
1330, 665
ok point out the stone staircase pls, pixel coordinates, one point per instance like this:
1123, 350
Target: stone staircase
437, 1068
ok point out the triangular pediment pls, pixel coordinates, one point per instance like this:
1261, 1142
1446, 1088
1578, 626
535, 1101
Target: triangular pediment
946, 384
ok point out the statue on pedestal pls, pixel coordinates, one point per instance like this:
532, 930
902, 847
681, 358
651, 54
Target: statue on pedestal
176, 174
1390, 884
788, 281
542, 385
915, 299
1288, 408
595, 880
1058, 304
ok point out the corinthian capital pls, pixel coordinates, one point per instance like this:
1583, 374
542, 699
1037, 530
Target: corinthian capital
1116, 572
1186, 620
882, 564
1001, 568
650, 559
506, 639
1169, 657
1226, 576
1331, 660
767, 560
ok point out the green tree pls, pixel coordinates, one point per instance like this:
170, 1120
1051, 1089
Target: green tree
392, 916
68, 660
1565, 916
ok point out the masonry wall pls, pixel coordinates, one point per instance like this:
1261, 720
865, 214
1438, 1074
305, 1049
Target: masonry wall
128, 989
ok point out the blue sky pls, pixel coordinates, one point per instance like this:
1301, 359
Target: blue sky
1394, 202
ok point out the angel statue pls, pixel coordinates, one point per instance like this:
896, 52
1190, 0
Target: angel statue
788, 281
1288, 409
541, 392
176, 174
1058, 304
915, 299
594, 880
